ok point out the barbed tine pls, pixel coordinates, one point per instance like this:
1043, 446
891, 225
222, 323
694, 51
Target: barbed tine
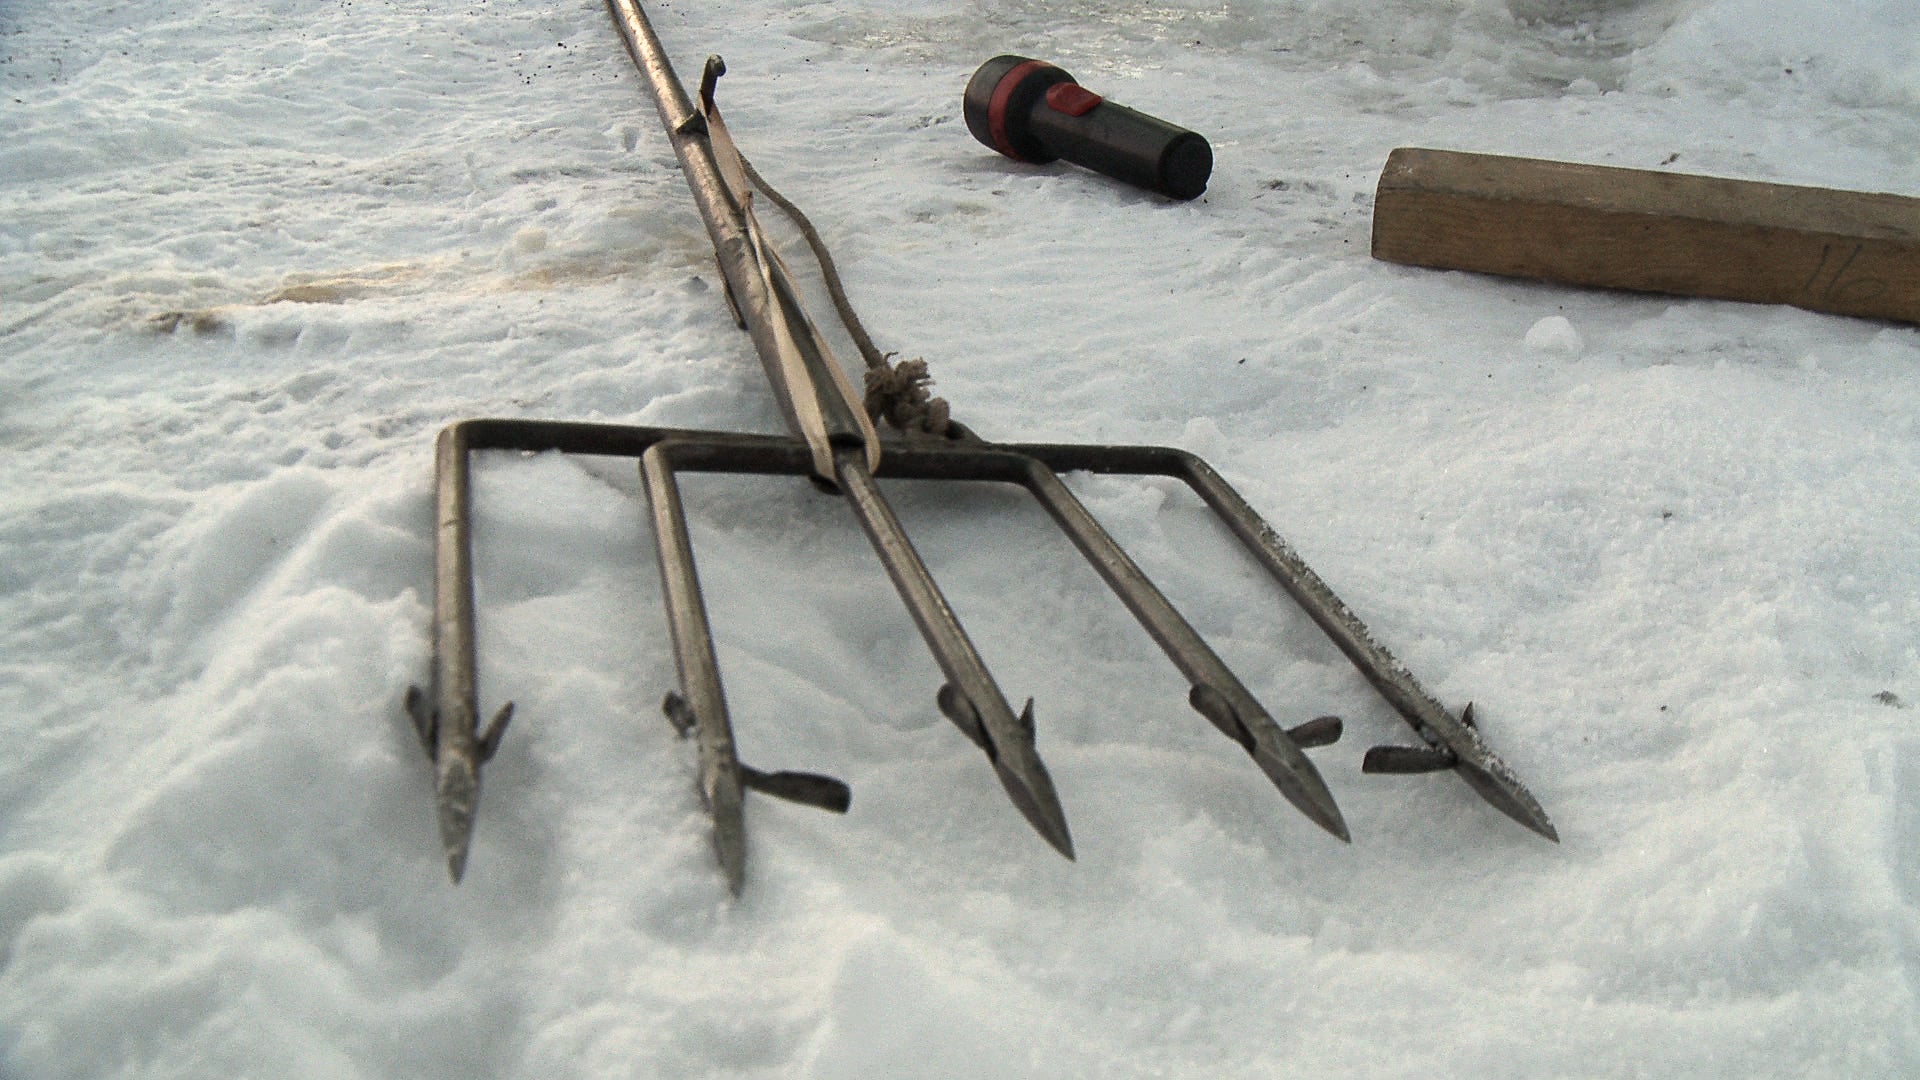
1216, 693
446, 713
1461, 742
971, 699
699, 709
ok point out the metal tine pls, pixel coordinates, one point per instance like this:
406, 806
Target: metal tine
699, 709
446, 714
971, 699
1216, 693
1457, 740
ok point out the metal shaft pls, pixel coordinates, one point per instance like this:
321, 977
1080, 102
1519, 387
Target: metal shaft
811, 390
448, 715
709, 724
971, 699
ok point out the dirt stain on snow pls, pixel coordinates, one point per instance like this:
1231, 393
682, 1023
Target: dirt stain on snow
397, 280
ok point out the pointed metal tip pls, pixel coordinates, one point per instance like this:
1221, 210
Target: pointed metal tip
1308, 793
457, 794
1017, 764
1276, 753
1533, 818
1057, 834
1032, 788
1335, 825
724, 793
456, 849
730, 848
1495, 782
1034, 797
1054, 830
1506, 794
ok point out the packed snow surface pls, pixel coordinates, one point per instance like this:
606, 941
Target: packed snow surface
255, 253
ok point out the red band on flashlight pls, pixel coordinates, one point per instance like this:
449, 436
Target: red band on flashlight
997, 108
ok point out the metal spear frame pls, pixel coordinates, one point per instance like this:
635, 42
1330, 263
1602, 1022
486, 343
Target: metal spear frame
836, 445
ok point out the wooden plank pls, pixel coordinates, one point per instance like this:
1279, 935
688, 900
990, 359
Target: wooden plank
1849, 252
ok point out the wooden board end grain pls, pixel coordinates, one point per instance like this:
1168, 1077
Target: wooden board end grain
1848, 252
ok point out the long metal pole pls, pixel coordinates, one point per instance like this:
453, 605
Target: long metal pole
771, 314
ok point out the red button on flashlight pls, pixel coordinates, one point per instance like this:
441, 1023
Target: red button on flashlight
1071, 99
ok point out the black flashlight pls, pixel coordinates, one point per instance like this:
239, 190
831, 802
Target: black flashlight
1031, 110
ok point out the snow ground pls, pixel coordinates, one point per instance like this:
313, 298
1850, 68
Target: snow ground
253, 255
